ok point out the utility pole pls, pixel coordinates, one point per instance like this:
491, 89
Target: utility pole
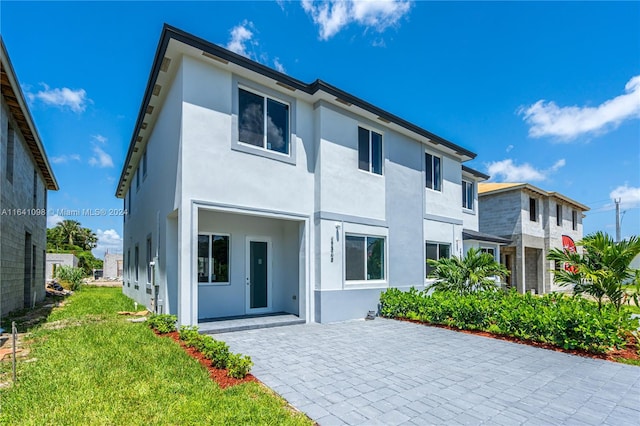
617, 220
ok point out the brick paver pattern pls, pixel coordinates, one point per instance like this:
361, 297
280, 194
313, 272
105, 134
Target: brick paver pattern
387, 372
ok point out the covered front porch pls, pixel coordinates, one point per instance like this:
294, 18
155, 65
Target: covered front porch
245, 264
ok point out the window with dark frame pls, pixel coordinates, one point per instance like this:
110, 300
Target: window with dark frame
369, 151
263, 122
136, 255
128, 268
433, 172
10, 150
574, 220
35, 189
213, 258
138, 178
559, 214
533, 211
467, 195
436, 251
144, 163
149, 258
364, 258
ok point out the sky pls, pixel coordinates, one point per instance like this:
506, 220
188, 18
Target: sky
544, 92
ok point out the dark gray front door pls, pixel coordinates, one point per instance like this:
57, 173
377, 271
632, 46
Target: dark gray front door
258, 282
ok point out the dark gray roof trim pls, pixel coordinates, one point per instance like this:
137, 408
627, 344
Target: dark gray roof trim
169, 32
468, 234
475, 172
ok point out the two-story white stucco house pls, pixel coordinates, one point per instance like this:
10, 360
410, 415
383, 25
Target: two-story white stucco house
251, 192
25, 178
535, 221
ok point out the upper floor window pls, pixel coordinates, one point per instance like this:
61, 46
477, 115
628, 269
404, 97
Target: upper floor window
434, 172
436, 251
467, 195
533, 209
10, 149
144, 163
263, 122
559, 214
138, 178
35, 189
369, 151
574, 220
364, 258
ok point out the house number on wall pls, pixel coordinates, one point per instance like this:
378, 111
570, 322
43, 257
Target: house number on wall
331, 249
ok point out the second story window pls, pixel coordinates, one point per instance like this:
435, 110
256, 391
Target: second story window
467, 195
263, 122
10, 149
574, 220
558, 214
433, 172
533, 209
369, 151
144, 163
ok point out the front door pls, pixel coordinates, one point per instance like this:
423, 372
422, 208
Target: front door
258, 275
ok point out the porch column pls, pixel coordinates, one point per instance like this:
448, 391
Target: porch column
187, 287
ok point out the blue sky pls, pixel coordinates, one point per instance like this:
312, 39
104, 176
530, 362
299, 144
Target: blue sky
544, 92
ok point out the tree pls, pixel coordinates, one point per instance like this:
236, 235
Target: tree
466, 275
68, 236
601, 270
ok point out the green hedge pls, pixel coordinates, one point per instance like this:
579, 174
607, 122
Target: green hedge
567, 322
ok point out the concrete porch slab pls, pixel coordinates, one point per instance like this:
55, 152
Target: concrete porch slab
227, 325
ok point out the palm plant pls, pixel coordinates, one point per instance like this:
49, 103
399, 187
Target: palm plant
70, 230
466, 275
601, 270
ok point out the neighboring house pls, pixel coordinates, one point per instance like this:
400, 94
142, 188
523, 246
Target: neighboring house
25, 177
113, 266
56, 260
251, 192
535, 221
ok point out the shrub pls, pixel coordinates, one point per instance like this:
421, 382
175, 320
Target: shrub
162, 323
567, 322
217, 352
189, 334
238, 366
71, 275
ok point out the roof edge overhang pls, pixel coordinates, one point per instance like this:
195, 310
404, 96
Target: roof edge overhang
475, 173
469, 234
536, 190
27, 126
169, 32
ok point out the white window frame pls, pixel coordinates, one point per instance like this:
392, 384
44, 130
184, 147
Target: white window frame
372, 130
471, 183
440, 180
366, 282
264, 121
210, 235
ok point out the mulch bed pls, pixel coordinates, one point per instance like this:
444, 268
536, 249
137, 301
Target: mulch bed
218, 375
629, 352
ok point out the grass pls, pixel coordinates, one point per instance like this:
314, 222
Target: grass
100, 369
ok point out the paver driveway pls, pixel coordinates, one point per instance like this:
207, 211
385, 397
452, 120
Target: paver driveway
391, 372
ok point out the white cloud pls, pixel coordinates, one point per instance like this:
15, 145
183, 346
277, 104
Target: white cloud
108, 240
333, 15
241, 36
629, 196
62, 159
278, 65
567, 123
507, 171
100, 158
99, 138
509, 148
53, 220
75, 100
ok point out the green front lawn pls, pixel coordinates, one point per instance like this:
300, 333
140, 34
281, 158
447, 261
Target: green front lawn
100, 369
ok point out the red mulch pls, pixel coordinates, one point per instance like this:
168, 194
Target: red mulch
629, 352
218, 375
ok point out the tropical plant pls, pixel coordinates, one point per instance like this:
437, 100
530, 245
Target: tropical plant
162, 323
68, 236
71, 275
601, 270
466, 275
238, 366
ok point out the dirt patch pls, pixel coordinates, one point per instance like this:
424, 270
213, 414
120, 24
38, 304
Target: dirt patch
629, 352
218, 375
103, 283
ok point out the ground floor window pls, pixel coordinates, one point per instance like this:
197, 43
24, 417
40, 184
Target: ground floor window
213, 258
491, 251
436, 251
364, 258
